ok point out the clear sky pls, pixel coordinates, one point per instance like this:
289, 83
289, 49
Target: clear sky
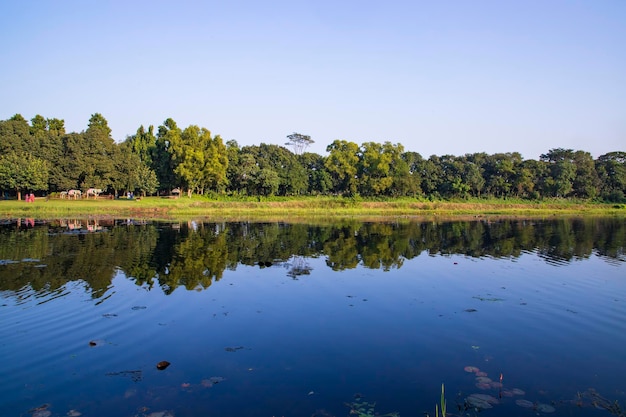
439, 77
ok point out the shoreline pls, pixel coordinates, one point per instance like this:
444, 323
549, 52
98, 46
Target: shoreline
303, 209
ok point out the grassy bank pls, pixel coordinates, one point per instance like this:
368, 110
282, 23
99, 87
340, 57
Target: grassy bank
310, 208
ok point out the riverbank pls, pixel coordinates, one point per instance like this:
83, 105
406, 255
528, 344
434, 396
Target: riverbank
304, 208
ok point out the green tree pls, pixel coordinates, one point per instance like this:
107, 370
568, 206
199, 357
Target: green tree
143, 144
342, 163
432, 174
22, 173
202, 160
375, 167
586, 183
500, 172
163, 162
127, 166
562, 171
98, 153
292, 176
320, 181
147, 182
611, 170
412, 179
15, 136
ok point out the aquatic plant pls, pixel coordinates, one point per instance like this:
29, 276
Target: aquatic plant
443, 404
598, 401
366, 409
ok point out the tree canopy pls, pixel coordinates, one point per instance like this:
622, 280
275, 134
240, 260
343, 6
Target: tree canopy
40, 156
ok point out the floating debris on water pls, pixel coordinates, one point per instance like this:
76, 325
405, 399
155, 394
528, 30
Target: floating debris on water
162, 365
487, 298
134, 375
96, 342
74, 413
208, 383
233, 349
139, 308
41, 411
471, 369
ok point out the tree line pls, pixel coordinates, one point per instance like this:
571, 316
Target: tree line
42, 157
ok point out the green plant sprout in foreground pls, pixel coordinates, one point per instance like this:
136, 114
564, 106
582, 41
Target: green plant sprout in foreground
443, 404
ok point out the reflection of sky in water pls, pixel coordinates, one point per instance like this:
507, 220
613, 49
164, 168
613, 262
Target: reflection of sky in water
394, 336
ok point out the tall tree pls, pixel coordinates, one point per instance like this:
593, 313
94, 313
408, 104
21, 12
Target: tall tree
611, 169
143, 144
562, 171
163, 162
202, 161
22, 173
320, 181
299, 142
376, 163
98, 153
342, 164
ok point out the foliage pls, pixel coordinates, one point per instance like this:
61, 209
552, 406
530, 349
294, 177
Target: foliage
25, 173
201, 163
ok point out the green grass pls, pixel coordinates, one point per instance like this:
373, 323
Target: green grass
306, 208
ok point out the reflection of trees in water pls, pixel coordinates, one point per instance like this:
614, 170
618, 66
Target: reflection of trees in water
298, 267
194, 255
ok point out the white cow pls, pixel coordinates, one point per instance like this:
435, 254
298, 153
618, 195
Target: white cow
74, 194
93, 192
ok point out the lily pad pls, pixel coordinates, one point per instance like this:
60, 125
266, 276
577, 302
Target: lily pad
477, 402
486, 397
525, 403
545, 408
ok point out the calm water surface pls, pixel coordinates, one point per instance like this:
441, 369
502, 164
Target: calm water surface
298, 320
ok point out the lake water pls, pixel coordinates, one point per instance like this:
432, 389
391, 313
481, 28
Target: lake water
308, 320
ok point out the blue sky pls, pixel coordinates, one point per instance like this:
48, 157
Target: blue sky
439, 77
